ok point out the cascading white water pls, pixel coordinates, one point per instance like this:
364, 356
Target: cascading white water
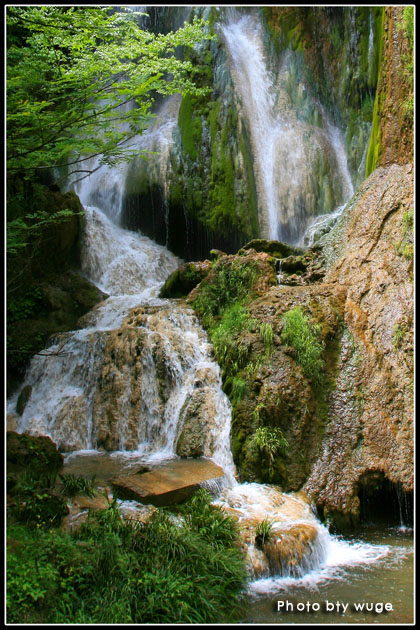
287, 151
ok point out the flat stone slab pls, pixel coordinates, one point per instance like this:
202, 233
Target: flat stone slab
172, 483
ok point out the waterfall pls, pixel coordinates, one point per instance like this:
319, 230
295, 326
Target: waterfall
139, 371
288, 149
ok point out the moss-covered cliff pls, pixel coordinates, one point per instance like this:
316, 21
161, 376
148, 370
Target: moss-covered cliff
392, 135
206, 197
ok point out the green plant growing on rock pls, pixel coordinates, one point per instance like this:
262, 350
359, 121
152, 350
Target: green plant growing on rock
229, 352
263, 532
73, 485
270, 442
304, 337
230, 283
238, 387
266, 332
405, 246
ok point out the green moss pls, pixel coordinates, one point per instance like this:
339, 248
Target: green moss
190, 126
375, 143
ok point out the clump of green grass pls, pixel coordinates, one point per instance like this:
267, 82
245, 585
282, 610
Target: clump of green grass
72, 485
230, 283
305, 337
266, 333
270, 442
263, 532
230, 351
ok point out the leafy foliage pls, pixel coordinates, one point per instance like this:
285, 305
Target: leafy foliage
231, 352
228, 284
77, 484
270, 442
81, 82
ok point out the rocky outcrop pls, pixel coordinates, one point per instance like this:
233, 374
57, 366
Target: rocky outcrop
329, 434
370, 424
38, 454
278, 531
184, 279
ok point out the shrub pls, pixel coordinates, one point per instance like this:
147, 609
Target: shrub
304, 337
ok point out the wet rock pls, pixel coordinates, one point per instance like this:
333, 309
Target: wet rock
22, 401
184, 279
277, 249
290, 543
287, 549
370, 417
168, 484
197, 415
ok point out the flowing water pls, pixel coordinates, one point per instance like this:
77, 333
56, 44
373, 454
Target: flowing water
126, 379
288, 150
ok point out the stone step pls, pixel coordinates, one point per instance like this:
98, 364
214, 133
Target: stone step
172, 483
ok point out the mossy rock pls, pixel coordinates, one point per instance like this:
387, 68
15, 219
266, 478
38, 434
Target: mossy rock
36, 453
184, 279
277, 249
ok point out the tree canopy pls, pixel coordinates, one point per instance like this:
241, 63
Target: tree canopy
81, 81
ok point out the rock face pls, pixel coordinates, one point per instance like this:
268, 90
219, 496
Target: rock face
392, 136
370, 415
168, 484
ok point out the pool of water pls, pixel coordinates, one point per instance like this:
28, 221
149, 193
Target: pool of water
378, 590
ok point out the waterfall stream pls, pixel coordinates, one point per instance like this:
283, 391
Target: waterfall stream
287, 146
126, 378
